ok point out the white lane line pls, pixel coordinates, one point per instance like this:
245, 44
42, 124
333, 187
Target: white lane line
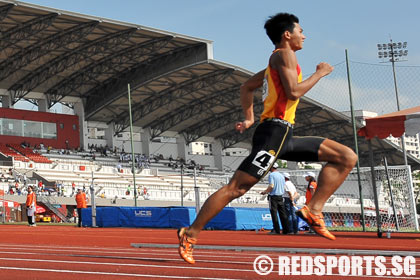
133, 252
123, 257
223, 252
111, 273
176, 276
129, 264
161, 266
176, 259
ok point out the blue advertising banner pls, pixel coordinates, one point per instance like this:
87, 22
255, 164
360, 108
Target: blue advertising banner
253, 218
181, 216
175, 217
226, 219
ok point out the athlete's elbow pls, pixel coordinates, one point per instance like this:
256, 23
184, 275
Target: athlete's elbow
246, 89
293, 96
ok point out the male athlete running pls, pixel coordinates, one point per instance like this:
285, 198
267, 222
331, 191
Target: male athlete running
273, 138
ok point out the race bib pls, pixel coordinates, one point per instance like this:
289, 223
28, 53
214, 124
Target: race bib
263, 160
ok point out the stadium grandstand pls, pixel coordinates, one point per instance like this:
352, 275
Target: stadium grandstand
180, 95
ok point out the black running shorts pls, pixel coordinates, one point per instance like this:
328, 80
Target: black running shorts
274, 140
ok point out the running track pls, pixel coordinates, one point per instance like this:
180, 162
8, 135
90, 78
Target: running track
60, 252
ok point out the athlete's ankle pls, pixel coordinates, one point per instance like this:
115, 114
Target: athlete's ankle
191, 232
314, 210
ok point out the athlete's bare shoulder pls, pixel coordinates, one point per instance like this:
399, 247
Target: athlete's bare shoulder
283, 58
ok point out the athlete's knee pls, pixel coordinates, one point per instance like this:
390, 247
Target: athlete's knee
238, 191
240, 183
235, 191
337, 153
348, 158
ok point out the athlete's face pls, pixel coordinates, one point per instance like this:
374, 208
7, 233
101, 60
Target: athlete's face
297, 37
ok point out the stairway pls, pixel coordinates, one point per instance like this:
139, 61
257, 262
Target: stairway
46, 201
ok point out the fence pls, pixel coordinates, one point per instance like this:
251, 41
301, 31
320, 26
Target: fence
372, 87
10, 211
343, 210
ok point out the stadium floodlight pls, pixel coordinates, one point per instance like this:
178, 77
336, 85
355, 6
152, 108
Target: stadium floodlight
391, 52
396, 51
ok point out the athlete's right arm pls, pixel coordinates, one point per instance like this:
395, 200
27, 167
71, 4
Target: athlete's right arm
247, 100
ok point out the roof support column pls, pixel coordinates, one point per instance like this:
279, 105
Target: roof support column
6, 101
217, 154
42, 105
109, 135
80, 112
145, 141
182, 147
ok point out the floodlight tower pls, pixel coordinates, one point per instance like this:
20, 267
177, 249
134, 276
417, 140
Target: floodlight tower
393, 52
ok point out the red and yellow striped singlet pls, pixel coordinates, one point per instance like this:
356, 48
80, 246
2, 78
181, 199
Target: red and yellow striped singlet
276, 103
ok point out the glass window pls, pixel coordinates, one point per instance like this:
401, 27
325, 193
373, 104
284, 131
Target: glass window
28, 128
49, 130
12, 127
32, 129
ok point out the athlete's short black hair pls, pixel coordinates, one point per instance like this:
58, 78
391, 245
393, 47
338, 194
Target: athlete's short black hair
276, 25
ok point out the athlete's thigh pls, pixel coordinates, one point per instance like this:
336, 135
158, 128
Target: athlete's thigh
267, 144
333, 151
241, 180
305, 148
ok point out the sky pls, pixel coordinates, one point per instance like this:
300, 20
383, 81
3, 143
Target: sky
236, 26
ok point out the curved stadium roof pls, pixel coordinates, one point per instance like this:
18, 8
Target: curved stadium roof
176, 85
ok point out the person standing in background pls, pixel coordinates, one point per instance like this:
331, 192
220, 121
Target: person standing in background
275, 191
311, 187
31, 206
290, 195
310, 190
81, 201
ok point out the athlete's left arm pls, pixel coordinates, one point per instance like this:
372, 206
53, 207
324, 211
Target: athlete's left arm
247, 100
285, 62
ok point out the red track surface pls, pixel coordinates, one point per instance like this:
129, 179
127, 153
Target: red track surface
55, 252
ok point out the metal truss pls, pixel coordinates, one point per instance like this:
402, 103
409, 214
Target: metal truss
305, 114
26, 30
196, 107
116, 87
213, 123
378, 155
54, 42
173, 94
329, 127
347, 140
32, 101
233, 137
69, 105
61, 63
4, 10
108, 65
